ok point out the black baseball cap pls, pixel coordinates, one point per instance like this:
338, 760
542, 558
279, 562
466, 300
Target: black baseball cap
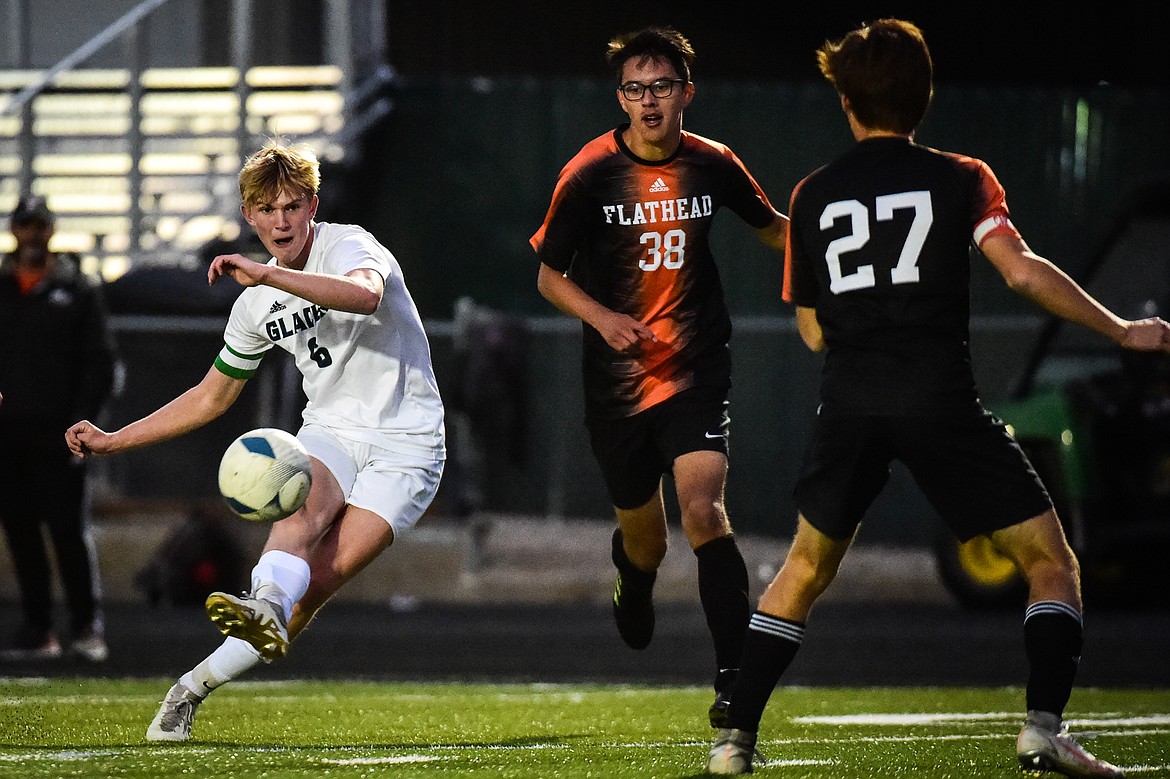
32, 208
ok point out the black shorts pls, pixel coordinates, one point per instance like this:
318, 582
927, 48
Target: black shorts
968, 466
634, 452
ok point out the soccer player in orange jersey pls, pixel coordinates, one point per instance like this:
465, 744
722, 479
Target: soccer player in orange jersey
625, 248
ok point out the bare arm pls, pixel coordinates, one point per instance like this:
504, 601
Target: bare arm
620, 331
775, 235
1038, 279
357, 292
809, 328
199, 405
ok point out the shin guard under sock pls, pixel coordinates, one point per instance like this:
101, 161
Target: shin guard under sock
769, 648
1052, 640
723, 591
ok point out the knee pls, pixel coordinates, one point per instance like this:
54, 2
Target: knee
1040, 550
1066, 563
646, 551
1057, 567
704, 519
1052, 573
795, 589
808, 575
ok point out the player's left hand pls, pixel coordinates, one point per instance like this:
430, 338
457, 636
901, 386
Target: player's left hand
1147, 335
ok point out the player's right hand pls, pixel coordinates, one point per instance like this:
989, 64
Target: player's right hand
624, 333
86, 438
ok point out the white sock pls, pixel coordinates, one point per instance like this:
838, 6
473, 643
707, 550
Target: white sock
234, 657
283, 577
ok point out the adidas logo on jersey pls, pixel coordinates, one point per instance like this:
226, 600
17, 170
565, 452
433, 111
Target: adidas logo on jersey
659, 186
277, 306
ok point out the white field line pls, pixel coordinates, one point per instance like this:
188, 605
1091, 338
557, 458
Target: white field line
904, 720
1146, 769
542, 692
395, 759
62, 756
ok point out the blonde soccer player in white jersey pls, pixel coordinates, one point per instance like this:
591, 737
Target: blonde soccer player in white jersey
334, 298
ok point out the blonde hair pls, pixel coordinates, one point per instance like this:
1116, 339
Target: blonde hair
279, 168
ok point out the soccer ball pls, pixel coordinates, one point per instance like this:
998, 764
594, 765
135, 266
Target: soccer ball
265, 475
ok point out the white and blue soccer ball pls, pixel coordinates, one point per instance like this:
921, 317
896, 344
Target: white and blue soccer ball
265, 475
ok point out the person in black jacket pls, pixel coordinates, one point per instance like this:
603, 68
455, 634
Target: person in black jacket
57, 363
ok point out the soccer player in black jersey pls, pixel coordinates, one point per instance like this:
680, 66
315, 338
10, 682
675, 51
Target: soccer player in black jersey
625, 248
878, 268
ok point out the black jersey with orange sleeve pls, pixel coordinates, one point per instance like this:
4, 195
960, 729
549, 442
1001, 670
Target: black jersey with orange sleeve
879, 244
634, 235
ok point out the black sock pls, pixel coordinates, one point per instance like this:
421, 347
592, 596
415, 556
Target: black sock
768, 650
1052, 640
723, 590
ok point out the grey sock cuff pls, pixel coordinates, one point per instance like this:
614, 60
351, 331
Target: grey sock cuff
1045, 720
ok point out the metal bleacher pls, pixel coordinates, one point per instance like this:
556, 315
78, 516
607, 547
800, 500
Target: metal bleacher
189, 120
140, 163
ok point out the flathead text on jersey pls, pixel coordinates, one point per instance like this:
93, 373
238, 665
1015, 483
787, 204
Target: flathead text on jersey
673, 210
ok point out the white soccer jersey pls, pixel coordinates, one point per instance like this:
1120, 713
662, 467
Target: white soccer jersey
365, 377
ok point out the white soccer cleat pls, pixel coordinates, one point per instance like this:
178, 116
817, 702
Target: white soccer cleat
1041, 748
732, 753
91, 647
175, 716
258, 621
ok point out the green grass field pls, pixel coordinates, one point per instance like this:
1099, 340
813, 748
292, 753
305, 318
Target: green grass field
278, 730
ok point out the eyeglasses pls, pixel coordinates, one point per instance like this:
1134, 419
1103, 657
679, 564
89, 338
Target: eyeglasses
633, 90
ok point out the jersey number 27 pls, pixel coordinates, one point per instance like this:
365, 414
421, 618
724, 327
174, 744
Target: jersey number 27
906, 271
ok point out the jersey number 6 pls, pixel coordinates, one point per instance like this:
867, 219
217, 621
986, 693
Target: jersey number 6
319, 354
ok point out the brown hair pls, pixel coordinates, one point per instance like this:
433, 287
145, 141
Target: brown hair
884, 70
652, 43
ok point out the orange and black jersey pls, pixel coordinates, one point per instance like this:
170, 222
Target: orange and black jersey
879, 244
634, 235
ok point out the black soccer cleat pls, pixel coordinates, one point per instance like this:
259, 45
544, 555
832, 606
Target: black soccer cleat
634, 615
633, 599
717, 714
724, 683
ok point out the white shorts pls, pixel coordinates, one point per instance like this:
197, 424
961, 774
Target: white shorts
396, 487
